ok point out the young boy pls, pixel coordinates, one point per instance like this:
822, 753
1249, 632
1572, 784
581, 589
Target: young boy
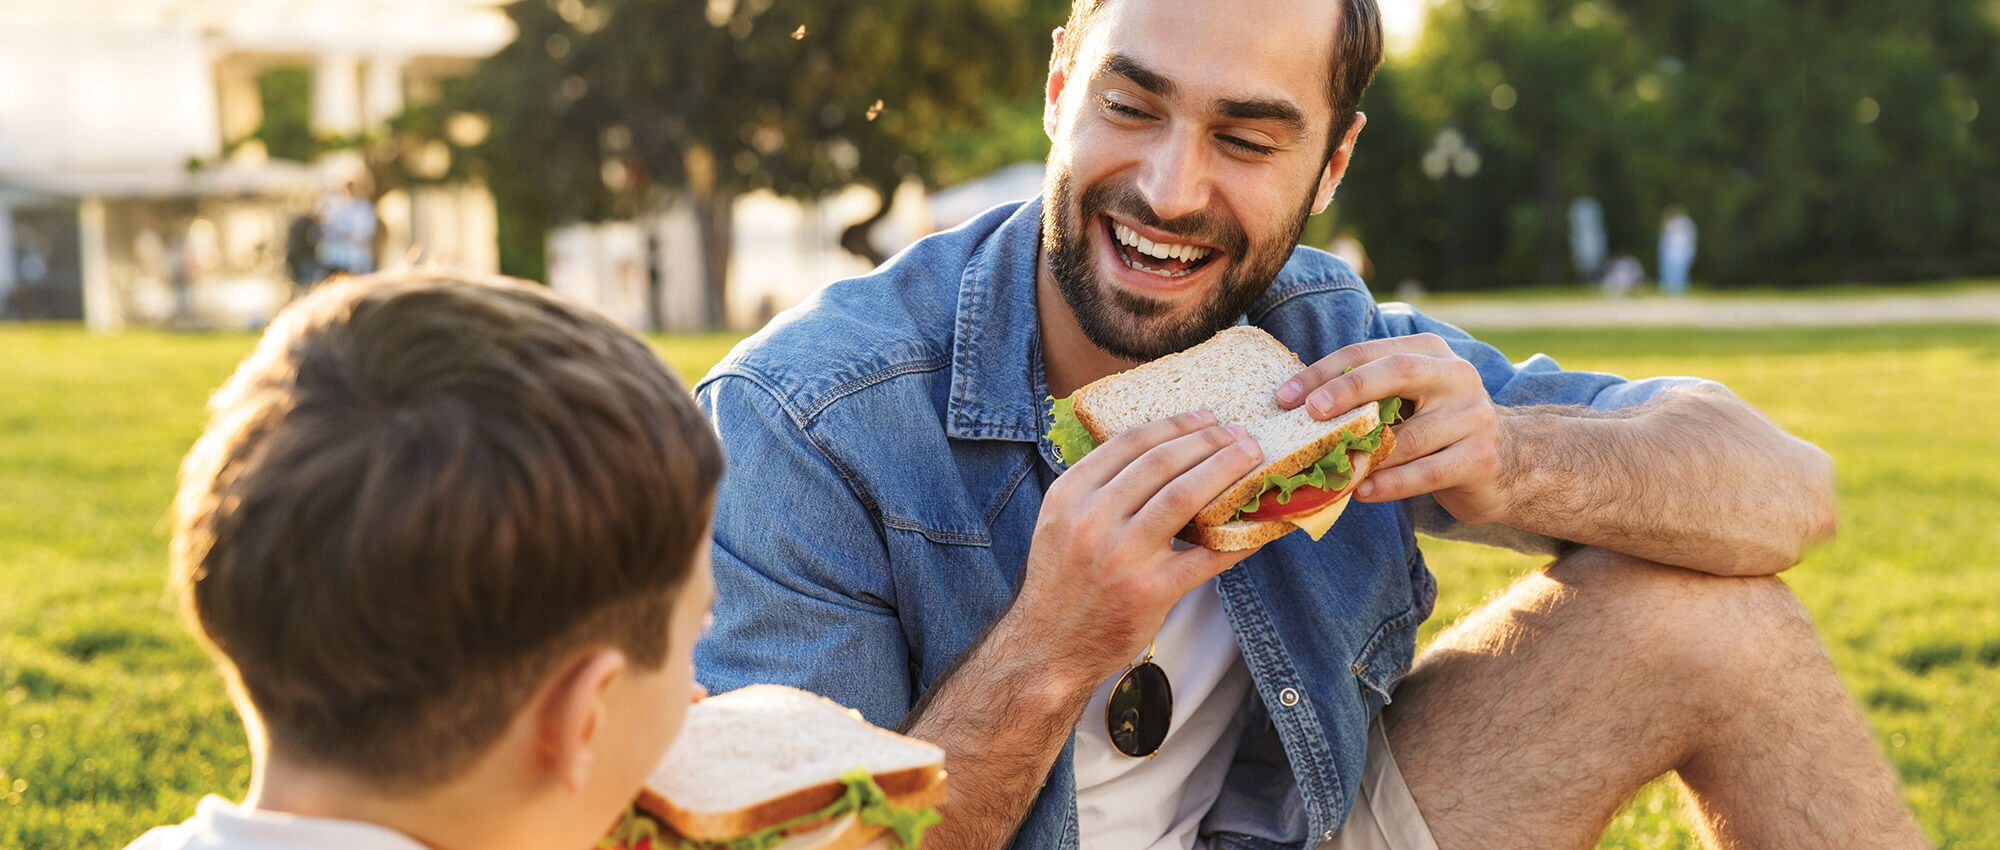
448, 540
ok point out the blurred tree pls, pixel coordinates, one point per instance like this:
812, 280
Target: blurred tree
285, 94
611, 108
1812, 141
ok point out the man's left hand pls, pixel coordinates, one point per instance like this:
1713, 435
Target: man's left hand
1450, 443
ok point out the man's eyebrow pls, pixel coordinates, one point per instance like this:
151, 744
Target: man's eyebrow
1260, 109
1241, 109
1129, 68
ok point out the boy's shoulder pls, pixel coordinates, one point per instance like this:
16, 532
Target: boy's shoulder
221, 825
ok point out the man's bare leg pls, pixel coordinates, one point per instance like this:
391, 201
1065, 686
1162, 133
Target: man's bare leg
1529, 723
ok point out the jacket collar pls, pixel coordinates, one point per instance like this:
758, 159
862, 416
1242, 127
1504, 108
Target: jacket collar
997, 382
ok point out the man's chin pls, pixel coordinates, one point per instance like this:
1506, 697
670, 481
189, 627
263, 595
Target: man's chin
1149, 332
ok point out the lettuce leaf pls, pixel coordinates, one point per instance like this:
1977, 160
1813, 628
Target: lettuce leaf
632, 829
876, 810
1068, 434
862, 795
1331, 472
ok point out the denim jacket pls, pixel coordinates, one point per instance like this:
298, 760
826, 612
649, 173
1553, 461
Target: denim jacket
887, 462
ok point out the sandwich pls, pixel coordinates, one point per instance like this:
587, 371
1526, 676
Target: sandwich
769, 767
1312, 466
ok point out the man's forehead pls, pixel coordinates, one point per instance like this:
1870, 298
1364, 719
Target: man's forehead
1241, 49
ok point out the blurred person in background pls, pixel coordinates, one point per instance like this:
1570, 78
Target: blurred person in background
897, 531
1677, 236
1586, 238
302, 250
1623, 275
1348, 247
346, 231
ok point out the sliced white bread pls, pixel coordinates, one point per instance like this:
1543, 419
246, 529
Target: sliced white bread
765, 754
1235, 375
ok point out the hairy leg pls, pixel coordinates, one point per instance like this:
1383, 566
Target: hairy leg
1528, 723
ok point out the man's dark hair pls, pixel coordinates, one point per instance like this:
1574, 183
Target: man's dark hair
421, 493
1357, 52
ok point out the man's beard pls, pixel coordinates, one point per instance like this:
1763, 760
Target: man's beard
1131, 325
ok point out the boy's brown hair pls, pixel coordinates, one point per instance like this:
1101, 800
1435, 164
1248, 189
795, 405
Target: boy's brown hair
419, 494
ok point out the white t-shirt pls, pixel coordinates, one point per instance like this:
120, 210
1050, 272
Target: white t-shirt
1157, 803
221, 825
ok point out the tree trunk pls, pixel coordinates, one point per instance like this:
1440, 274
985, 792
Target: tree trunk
855, 237
714, 218
1548, 180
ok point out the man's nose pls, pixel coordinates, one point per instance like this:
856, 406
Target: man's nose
1174, 176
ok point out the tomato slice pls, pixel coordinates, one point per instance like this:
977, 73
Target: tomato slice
1305, 500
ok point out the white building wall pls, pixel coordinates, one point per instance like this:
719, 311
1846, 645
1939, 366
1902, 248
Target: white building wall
70, 100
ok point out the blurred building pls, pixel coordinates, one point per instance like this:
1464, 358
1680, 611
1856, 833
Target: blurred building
131, 188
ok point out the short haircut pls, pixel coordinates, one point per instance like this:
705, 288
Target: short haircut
418, 495
1357, 52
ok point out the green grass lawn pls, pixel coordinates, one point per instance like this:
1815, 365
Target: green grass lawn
113, 721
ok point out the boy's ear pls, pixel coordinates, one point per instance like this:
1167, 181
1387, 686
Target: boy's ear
570, 719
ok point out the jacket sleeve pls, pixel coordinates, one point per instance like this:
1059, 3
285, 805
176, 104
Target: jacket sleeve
802, 576
1534, 381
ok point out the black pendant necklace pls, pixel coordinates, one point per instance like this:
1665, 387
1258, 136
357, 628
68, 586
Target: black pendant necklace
1140, 709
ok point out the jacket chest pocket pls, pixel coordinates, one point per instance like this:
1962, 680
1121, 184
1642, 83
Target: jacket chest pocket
1386, 658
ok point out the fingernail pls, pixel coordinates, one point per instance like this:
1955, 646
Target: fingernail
1205, 415
1321, 402
1365, 491
1240, 432
1290, 392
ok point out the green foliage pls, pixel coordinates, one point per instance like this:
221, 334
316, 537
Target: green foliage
1810, 141
286, 131
601, 106
116, 723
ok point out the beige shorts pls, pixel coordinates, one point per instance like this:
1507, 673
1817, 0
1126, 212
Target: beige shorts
1385, 816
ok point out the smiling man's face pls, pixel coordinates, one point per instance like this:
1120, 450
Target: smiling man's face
1189, 145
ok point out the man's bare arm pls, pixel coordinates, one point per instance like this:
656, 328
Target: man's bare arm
1002, 719
1698, 479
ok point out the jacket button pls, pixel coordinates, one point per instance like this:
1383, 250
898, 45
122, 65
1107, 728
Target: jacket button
1289, 697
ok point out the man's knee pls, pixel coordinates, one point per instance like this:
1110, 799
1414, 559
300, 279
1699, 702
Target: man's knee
1698, 628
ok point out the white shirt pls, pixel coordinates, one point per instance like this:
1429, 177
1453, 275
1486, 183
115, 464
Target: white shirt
1157, 803
221, 825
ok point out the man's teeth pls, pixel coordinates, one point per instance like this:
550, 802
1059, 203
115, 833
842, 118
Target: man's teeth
1160, 250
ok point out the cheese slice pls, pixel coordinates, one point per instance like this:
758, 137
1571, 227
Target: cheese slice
1315, 524
1318, 522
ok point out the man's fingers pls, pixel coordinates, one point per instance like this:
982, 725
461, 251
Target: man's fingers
1104, 463
1188, 568
1175, 500
1419, 436
1412, 376
1457, 464
1299, 387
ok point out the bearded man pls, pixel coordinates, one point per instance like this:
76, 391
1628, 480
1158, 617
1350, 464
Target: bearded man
895, 532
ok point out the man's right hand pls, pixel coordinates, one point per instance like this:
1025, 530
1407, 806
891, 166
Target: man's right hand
1102, 573
1102, 570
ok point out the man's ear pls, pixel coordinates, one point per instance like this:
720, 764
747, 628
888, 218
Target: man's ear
569, 729
1336, 165
1052, 93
